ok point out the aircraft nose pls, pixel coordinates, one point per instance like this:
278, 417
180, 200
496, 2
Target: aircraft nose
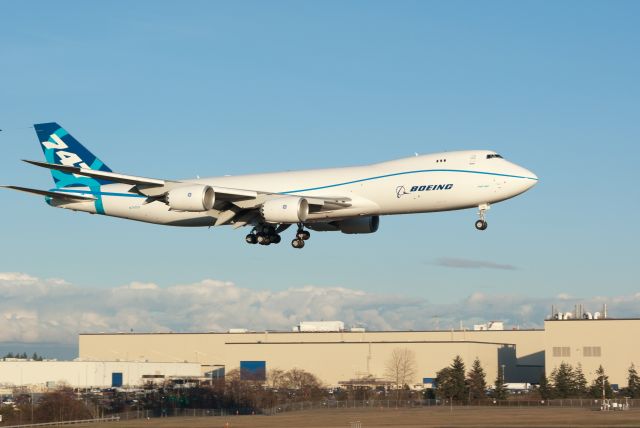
530, 177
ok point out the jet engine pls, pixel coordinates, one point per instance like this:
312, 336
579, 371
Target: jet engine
354, 225
197, 197
289, 209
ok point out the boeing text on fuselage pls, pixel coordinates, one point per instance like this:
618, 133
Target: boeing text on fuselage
350, 200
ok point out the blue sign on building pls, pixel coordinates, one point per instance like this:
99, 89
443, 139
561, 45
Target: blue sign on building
253, 370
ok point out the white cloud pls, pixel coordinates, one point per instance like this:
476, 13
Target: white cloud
44, 310
16, 277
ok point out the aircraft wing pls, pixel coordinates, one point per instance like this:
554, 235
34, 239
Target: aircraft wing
152, 187
58, 195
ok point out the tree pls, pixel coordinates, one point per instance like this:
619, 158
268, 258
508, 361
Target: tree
579, 382
597, 386
544, 388
633, 382
275, 378
445, 385
306, 385
450, 381
401, 368
499, 390
458, 373
562, 378
476, 381
60, 405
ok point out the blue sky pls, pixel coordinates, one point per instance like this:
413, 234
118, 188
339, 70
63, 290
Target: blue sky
179, 89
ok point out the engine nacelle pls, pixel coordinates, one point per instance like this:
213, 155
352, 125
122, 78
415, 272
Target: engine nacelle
197, 197
367, 224
289, 209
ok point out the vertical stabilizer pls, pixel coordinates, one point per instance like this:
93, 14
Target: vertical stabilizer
61, 148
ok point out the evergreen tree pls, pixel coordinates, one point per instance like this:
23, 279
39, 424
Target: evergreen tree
476, 381
445, 386
450, 381
544, 388
633, 382
499, 390
563, 380
458, 375
600, 380
579, 382
34, 357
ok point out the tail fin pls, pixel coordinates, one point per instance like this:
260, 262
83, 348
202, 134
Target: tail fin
61, 148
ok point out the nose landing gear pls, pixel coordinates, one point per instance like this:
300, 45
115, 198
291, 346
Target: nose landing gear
482, 224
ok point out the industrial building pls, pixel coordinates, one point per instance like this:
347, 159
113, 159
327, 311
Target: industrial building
333, 356
341, 356
90, 374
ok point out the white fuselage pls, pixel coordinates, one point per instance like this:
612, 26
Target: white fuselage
427, 183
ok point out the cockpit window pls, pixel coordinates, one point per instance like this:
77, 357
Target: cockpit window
494, 155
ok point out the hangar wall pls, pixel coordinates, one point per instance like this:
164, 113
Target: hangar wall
87, 374
332, 356
609, 342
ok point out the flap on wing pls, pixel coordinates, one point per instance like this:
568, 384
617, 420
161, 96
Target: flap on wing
333, 202
58, 195
228, 193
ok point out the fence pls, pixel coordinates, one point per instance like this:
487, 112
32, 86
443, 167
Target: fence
330, 405
61, 423
608, 404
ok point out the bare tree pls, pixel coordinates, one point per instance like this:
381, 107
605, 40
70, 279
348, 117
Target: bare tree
275, 378
401, 368
306, 385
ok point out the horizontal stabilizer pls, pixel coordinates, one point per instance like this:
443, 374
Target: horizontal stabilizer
153, 187
58, 195
108, 175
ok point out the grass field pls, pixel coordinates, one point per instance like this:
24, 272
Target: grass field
420, 417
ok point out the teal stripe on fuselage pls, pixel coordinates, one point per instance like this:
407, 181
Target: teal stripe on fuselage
133, 195
405, 173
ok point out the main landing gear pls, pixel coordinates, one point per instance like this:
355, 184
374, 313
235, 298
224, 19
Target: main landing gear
301, 236
482, 224
267, 235
263, 235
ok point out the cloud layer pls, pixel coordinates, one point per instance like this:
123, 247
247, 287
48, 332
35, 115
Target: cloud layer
453, 262
53, 310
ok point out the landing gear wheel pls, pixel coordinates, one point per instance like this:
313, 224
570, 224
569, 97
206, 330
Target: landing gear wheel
275, 239
297, 243
481, 224
251, 239
261, 237
303, 234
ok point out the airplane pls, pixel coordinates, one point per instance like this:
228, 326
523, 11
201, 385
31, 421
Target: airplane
348, 199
